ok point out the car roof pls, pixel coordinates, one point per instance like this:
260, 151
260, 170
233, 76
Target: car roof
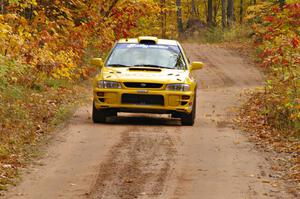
158, 41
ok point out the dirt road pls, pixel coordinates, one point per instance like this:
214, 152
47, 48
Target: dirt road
145, 156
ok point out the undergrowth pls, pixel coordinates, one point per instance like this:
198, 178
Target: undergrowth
28, 111
252, 119
277, 43
237, 33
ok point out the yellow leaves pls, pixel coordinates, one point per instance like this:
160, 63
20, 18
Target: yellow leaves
53, 37
35, 13
33, 2
23, 4
26, 113
44, 49
61, 64
8, 40
4, 31
261, 128
66, 66
277, 36
13, 34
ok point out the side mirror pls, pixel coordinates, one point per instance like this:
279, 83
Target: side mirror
98, 62
197, 65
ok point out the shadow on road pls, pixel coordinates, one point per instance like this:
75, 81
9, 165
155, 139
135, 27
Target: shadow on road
143, 120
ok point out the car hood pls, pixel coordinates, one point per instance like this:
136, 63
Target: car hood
144, 74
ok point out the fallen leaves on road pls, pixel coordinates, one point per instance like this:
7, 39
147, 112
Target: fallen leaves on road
285, 144
26, 121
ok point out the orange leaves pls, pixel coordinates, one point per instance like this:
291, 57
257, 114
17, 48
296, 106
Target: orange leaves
45, 37
256, 119
44, 48
276, 9
292, 6
269, 18
279, 34
126, 16
295, 42
277, 38
51, 33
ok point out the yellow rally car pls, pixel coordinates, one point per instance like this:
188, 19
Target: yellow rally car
145, 75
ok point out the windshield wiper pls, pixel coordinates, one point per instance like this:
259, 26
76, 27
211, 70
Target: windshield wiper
151, 65
117, 65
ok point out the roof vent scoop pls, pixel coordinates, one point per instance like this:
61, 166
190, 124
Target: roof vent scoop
148, 40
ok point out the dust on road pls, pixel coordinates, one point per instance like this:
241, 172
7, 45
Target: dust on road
145, 156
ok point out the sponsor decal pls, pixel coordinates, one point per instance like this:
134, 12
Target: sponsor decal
146, 46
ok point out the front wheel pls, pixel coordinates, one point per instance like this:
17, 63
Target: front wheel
98, 116
189, 119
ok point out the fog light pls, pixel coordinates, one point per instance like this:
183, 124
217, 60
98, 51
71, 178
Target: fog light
100, 94
185, 97
183, 103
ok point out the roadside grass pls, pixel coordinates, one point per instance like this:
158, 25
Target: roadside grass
29, 112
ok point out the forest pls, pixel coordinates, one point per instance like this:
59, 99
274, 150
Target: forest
46, 45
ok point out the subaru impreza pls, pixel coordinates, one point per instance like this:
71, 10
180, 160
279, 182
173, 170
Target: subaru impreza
145, 75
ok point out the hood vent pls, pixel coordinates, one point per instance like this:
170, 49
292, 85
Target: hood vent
148, 40
144, 69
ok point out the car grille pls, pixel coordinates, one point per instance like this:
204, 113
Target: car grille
142, 85
143, 99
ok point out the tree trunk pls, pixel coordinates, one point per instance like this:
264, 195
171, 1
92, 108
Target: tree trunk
179, 17
281, 3
194, 9
230, 13
223, 14
241, 11
111, 6
3, 5
163, 18
215, 9
210, 13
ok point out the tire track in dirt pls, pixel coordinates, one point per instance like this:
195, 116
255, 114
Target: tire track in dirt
224, 68
147, 156
210, 72
137, 166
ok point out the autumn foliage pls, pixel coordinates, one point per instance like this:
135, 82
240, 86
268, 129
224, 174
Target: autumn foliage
45, 47
53, 37
272, 115
277, 40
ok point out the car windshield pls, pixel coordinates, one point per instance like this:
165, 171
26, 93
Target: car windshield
143, 55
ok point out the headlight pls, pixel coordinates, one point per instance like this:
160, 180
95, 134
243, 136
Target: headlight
109, 84
178, 87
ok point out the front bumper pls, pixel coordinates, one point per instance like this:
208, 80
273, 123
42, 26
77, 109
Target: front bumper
173, 101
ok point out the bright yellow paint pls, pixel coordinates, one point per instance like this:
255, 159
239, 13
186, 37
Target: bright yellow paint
173, 100
157, 41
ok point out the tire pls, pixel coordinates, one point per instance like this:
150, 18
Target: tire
98, 116
189, 119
